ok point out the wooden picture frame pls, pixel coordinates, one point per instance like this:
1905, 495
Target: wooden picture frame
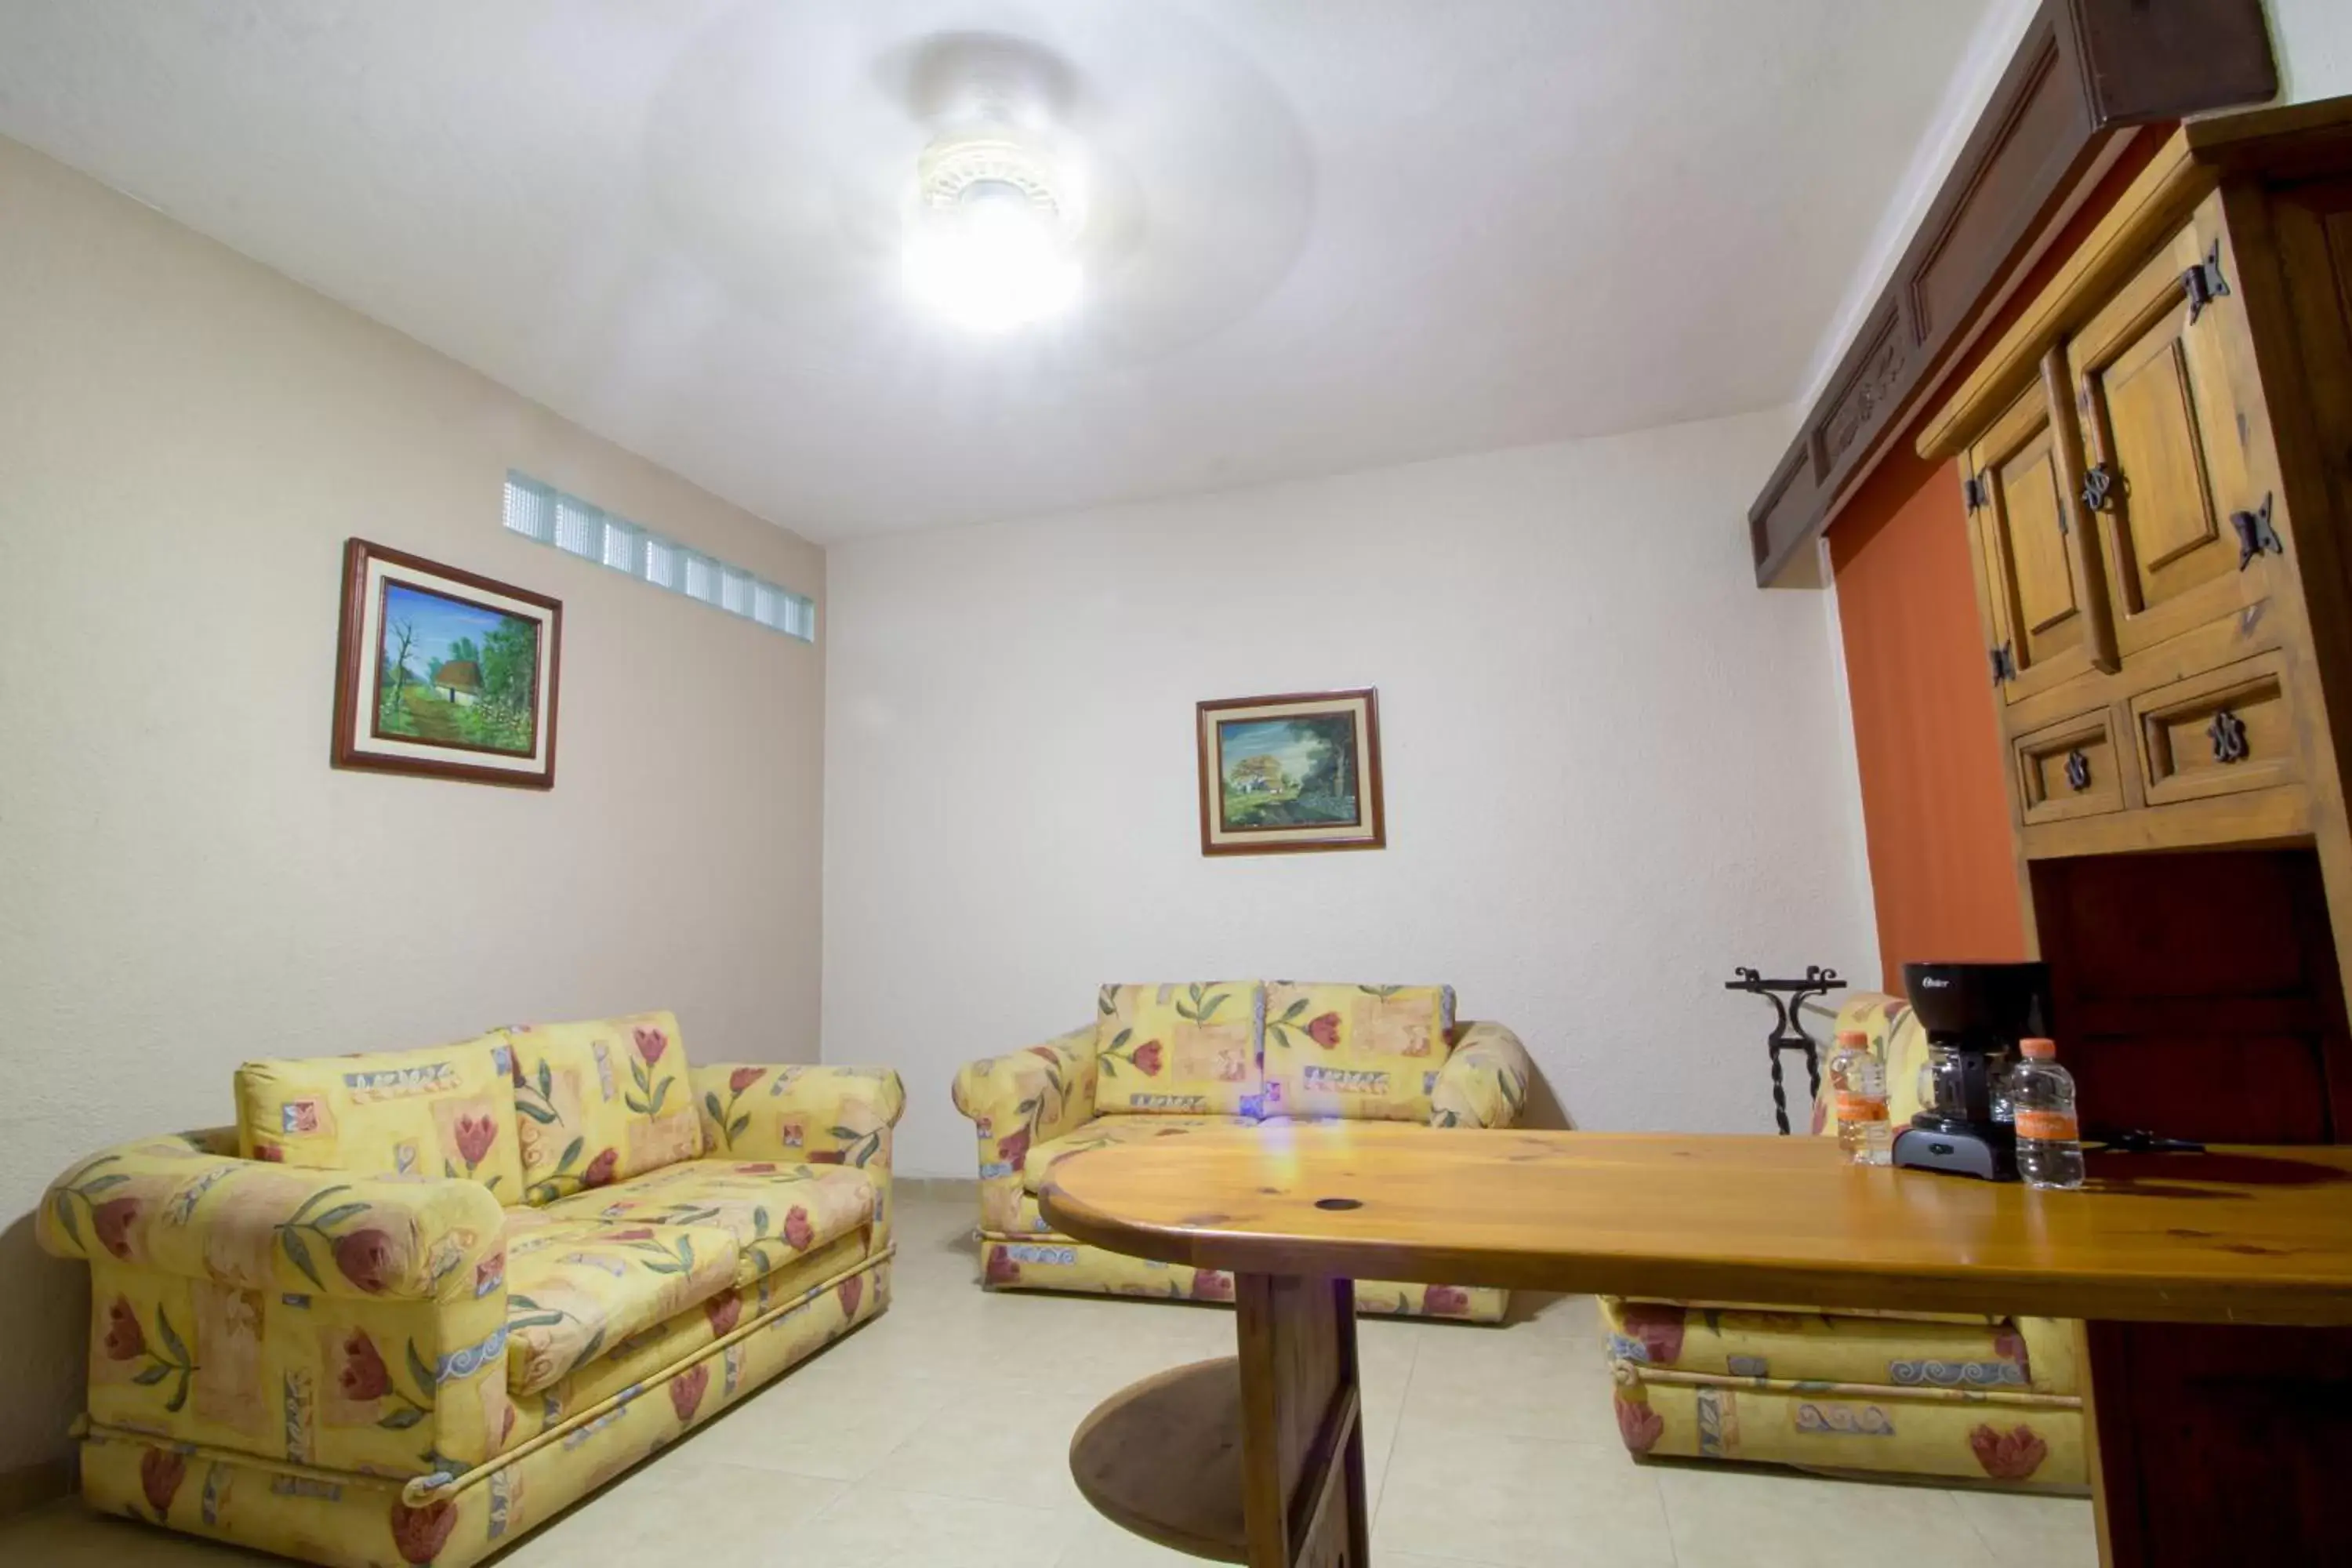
443, 673
1291, 774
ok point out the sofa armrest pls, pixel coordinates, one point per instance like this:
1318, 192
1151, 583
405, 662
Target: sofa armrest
805, 1114
332, 1319
819, 1115
1485, 1082
1014, 1101
166, 1205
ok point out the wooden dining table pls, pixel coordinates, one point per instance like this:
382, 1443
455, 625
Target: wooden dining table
1258, 1459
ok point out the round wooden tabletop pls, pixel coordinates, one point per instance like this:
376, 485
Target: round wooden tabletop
1163, 1459
2235, 1235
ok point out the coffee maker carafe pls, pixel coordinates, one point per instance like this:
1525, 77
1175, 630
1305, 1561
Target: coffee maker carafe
1974, 1014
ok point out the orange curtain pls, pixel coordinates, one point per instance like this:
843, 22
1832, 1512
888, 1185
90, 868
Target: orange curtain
1934, 808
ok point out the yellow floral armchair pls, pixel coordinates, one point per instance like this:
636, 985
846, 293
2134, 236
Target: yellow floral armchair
1161, 1061
375, 1322
1988, 1398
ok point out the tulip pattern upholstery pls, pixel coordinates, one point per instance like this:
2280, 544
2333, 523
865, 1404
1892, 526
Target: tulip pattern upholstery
1990, 1399
326, 1333
1164, 1061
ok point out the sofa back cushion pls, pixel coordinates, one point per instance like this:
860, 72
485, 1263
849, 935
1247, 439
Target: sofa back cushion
1180, 1050
600, 1101
446, 1112
1368, 1053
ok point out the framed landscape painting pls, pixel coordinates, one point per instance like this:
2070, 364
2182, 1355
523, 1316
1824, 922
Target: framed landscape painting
1287, 773
444, 673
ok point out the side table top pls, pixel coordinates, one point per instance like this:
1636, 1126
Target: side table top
2236, 1236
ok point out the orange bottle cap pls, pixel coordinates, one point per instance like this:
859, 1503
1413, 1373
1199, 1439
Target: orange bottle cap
1853, 1038
2039, 1049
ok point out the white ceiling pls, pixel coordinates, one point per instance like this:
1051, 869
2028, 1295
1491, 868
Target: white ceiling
1349, 232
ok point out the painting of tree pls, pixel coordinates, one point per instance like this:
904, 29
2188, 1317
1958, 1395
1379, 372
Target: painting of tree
440, 629
1290, 773
445, 673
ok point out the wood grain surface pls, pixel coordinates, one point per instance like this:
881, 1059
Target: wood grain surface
1163, 1459
2238, 1236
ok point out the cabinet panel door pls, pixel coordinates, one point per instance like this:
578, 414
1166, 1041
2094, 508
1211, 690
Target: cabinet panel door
2034, 571
2168, 436
2167, 511
2026, 495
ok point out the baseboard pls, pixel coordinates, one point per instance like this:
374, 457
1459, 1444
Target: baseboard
948, 1189
29, 1488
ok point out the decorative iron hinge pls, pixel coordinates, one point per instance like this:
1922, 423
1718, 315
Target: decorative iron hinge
2203, 283
2228, 734
2099, 486
2078, 771
1975, 492
2255, 535
2004, 663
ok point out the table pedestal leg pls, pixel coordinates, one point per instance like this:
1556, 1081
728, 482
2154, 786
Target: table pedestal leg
1302, 1424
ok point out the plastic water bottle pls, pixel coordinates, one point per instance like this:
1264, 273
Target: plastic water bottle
1858, 1096
2049, 1139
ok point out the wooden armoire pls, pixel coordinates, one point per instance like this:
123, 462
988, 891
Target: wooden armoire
2156, 463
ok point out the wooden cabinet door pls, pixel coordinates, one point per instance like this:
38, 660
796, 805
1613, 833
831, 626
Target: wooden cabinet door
2044, 615
2168, 433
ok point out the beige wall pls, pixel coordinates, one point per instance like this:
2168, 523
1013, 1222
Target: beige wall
1614, 770
185, 441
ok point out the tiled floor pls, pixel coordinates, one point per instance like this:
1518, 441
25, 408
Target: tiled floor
937, 1438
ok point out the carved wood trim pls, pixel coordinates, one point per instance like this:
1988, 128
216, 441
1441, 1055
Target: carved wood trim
2087, 72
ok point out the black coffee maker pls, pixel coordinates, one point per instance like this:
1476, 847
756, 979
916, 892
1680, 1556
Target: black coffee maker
1974, 1015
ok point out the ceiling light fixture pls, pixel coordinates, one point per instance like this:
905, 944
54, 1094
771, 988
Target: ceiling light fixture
990, 242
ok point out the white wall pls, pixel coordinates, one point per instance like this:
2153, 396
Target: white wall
1614, 768
2313, 38
185, 441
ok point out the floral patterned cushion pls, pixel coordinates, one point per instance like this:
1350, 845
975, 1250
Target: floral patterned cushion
1793, 1344
800, 1113
775, 1213
1105, 1130
600, 1101
2006, 1439
1180, 1050
642, 1358
1042, 1260
322, 1318
1365, 1052
575, 1290
446, 1112
1485, 1081
275, 1351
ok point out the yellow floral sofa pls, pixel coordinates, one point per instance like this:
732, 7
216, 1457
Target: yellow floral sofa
1960, 1396
1161, 1061
414, 1304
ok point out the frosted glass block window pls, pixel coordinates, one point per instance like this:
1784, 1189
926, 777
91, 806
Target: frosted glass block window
579, 528
531, 509
701, 577
624, 546
663, 567
783, 610
545, 515
735, 591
